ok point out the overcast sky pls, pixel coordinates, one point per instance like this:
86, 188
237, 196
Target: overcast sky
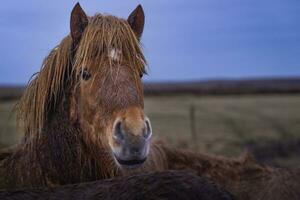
183, 39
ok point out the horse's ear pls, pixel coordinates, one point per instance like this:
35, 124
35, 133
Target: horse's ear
136, 21
78, 23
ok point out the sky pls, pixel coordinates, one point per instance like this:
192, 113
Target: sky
182, 40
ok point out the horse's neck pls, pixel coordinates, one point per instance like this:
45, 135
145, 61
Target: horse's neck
53, 157
69, 155
44, 159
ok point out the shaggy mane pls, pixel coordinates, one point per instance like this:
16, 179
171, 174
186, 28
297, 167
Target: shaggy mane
47, 88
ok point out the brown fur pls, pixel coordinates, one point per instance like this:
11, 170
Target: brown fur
243, 176
152, 186
68, 122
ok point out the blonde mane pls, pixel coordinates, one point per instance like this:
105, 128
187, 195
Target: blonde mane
45, 91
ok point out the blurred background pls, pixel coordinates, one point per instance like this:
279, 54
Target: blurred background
224, 75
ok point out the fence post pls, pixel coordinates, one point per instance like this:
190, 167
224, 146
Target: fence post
193, 129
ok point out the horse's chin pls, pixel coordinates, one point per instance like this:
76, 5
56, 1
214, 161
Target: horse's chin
130, 164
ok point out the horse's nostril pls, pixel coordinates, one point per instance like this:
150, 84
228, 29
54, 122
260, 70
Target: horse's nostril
118, 132
148, 130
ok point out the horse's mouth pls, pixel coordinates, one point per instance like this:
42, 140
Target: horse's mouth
131, 163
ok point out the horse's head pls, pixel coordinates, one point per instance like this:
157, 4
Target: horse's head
107, 100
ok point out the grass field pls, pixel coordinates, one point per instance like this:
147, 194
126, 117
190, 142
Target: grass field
223, 124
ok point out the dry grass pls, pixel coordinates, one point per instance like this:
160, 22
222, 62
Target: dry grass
8, 132
224, 124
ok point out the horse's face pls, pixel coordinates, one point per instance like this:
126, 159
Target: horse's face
108, 98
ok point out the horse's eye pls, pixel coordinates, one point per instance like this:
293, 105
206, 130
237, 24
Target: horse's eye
142, 72
85, 75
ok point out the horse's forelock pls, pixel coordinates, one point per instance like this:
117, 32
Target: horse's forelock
107, 34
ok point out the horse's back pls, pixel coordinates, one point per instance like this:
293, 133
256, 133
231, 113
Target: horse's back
279, 184
284, 185
150, 186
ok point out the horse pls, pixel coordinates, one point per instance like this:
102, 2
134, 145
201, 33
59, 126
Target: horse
149, 186
82, 114
83, 119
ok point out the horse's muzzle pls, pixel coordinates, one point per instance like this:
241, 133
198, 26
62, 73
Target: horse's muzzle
132, 149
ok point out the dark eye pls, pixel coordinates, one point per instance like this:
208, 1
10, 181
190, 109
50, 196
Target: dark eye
142, 73
85, 75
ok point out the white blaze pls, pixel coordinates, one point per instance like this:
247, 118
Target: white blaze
115, 54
